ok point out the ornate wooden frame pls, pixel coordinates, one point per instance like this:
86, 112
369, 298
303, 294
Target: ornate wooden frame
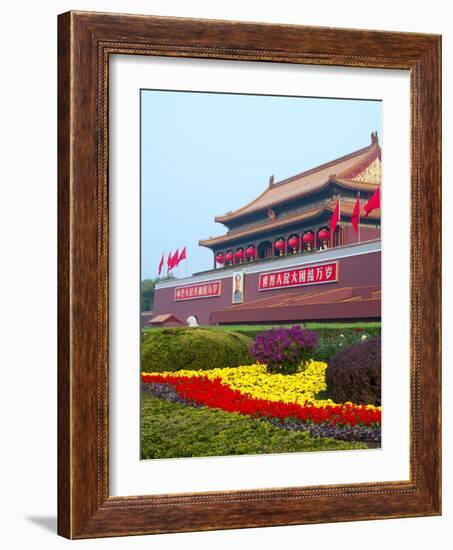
85, 41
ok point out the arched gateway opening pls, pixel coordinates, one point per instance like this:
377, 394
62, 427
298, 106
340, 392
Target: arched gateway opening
265, 250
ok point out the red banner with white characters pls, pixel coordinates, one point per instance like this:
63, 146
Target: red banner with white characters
301, 276
201, 290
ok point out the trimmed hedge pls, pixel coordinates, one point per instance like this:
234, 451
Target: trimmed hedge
354, 374
178, 348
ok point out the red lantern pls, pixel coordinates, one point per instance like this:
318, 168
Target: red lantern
324, 234
307, 238
280, 245
219, 258
250, 252
229, 256
294, 241
239, 254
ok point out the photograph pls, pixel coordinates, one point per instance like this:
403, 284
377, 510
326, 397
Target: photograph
238, 287
260, 274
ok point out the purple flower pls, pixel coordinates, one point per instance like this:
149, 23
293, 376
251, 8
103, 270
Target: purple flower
284, 349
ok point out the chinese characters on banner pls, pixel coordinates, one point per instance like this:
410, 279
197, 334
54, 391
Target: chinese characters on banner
311, 275
202, 290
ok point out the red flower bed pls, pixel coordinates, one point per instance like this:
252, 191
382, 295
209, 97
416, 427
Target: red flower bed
215, 394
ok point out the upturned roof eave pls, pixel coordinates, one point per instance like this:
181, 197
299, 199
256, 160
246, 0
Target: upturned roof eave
276, 224
342, 182
246, 209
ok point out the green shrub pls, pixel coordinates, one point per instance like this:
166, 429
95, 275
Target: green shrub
354, 374
172, 349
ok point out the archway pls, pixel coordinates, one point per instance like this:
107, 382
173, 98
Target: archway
264, 250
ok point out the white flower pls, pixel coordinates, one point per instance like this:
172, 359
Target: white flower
363, 337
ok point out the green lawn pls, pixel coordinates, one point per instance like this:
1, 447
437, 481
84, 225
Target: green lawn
312, 326
171, 430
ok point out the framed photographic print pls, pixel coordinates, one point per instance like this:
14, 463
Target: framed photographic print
249, 275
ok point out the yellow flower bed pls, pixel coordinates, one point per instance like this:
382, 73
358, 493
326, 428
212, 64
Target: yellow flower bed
255, 381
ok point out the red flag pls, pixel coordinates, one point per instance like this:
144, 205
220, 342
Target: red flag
355, 218
183, 255
175, 259
335, 217
161, 264
170, 262
374, 202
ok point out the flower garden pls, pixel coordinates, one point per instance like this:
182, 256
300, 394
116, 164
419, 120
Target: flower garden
280, 402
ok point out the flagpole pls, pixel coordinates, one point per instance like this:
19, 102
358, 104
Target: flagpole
359, 216
330, 227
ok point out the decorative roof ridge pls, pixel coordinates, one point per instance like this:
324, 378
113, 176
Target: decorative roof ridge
320, 167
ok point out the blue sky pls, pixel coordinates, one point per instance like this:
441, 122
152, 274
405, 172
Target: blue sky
204, 154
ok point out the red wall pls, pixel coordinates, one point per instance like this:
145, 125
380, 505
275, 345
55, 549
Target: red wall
360, 270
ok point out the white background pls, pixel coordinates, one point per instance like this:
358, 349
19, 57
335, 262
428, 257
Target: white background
129, 476
28, 278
